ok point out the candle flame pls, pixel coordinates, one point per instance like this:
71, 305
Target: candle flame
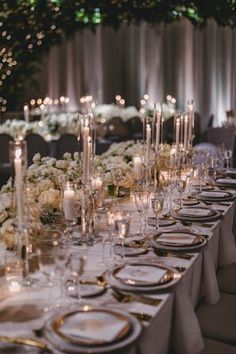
18, 153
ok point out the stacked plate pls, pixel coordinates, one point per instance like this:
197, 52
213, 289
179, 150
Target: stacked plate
197, 214
92, 330
216, 196
178, 241
226, 182
142, 277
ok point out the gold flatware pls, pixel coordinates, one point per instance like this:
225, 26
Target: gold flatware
24, 341
141, 316
136, 298
180, 255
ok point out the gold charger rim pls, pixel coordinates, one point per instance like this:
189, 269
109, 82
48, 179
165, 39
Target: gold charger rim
166, 278
87, 341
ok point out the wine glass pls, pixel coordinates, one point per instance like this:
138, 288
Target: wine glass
61, 255
142, 199
228, 156
157, 206
76, 265
180, 186
123, 225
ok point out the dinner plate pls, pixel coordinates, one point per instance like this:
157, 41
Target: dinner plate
163, 222
143, 277
178, 241
130, 251
91, 330
189, 201
226, 182
206, 187
216, 196
213, 214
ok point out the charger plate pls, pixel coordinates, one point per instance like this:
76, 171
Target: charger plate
59, 333
169, 276
193, 242
216, 196
213, 215
226, 182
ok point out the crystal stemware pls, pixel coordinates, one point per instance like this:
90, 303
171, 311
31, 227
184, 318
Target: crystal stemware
228, 156
123, 225
142, 199
157, 206
180, 186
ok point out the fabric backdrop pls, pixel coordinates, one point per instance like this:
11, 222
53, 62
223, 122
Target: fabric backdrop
176, 59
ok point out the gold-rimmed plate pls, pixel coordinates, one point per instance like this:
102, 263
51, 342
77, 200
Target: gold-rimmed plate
198, 214
91, 327
102, 330
216, 196
226, 182
164, 277
178, 240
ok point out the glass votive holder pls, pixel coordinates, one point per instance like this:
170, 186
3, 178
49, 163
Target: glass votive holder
14, 275
69, 202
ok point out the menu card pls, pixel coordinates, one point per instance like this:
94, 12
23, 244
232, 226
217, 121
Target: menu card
177, 238
194, 212
141, 273
96, 325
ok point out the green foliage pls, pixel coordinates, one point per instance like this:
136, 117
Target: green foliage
28, 28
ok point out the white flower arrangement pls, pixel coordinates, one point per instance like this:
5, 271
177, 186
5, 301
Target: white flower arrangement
44, 179
109, 111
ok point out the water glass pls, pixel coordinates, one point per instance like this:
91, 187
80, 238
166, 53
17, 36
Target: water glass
123, 226
157, 206
142, 200
13, 274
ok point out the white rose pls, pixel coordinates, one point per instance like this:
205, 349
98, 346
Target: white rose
62, 164
50, 197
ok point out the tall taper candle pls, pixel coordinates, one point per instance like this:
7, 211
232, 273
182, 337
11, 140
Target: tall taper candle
19, 186
158, 124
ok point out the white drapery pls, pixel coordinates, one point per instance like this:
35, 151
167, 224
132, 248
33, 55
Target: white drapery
176, 59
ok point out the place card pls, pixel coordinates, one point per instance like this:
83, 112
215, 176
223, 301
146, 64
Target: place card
143, 273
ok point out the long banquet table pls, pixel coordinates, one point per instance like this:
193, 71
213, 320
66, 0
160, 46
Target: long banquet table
174, 326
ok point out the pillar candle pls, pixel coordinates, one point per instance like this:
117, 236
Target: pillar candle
138, 167
69, 203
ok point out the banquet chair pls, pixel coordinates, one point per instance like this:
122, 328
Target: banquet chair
135, 127
5, 166
36, 144
117, 129
67, 143
4, 147
226, 277
218, 321
216, 347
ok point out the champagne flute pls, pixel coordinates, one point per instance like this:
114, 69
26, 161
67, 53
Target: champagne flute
180, 186
228, 156
157, 206
142, 199
123, 225
61, 254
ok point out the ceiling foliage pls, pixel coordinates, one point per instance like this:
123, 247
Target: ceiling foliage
28, 28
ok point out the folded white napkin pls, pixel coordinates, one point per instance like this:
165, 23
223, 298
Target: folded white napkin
94, 325
142, 273
194, 212
213, 194
226, 180
177, 238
